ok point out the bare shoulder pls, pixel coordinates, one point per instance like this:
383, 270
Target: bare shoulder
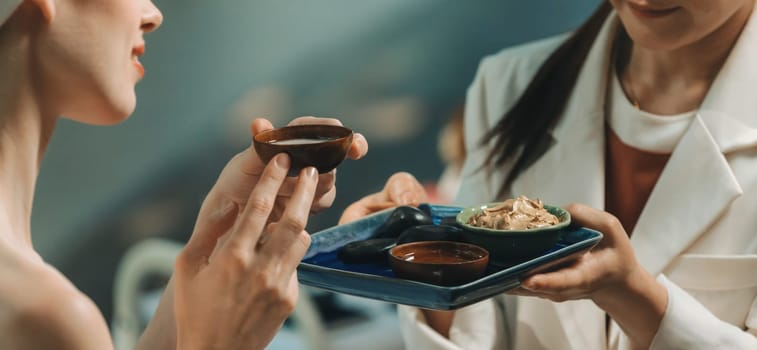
41, 309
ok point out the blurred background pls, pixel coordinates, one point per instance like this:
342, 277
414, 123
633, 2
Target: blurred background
394, 70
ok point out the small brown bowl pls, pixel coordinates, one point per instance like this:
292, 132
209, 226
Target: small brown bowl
319, 146
443, 263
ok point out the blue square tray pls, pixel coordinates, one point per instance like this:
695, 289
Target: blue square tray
321, 268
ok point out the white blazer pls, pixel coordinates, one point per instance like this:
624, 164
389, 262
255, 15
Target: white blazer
697, 232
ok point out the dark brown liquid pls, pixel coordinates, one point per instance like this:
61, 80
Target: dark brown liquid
440, 257
301, 141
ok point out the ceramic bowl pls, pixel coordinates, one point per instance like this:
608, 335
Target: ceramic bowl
439, 262
320, 146
506, 246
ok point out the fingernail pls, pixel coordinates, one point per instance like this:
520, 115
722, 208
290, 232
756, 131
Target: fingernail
282, 161
310, 172
407, 198
528, 285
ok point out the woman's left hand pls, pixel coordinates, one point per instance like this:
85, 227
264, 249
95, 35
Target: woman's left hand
606, 268
402, 188
609, 275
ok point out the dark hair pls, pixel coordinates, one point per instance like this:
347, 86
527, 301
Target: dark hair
522, 135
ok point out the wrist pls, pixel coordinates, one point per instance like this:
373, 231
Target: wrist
637, 304
638, 285
189, 343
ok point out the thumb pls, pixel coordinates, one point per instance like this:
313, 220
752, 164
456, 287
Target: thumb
354, 211
404, 189
249, 162
366, 206
259, 125
238, 178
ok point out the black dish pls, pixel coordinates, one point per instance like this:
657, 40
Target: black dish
366, 251
400, 220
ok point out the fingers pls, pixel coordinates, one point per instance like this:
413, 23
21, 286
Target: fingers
597, 220
248, 165
562, 281
404, 189
575, 281
326, 183
520, 291
208, 230
315, 120
285, 243
401, 189
278, 209
359, 147
325, 193
283, 263
259, 205
259, 125
253, 163
366, 206
353, 212
324, 201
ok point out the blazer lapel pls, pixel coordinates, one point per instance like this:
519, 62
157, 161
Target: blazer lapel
695, 188
697, 185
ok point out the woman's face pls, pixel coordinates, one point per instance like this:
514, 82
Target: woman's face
88, 57
672, 24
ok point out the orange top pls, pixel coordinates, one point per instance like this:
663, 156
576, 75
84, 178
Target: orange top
630, 175
638, 144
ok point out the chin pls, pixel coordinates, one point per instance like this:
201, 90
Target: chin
654, 43
119, 115
113, 118
656, 39
663, 37
106, 113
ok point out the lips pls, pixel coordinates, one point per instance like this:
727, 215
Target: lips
136, 52
646, 11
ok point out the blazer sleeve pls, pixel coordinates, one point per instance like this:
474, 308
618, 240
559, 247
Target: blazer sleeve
689, 325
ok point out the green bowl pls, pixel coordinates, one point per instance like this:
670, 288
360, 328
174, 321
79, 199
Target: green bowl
507, 246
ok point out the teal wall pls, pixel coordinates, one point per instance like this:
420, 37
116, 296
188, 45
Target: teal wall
342, 58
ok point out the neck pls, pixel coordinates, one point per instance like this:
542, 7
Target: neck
676, 81
25, 130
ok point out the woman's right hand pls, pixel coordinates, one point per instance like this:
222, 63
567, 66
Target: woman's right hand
235, 292
401, 189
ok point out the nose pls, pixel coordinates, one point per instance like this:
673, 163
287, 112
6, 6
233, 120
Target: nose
151, 18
